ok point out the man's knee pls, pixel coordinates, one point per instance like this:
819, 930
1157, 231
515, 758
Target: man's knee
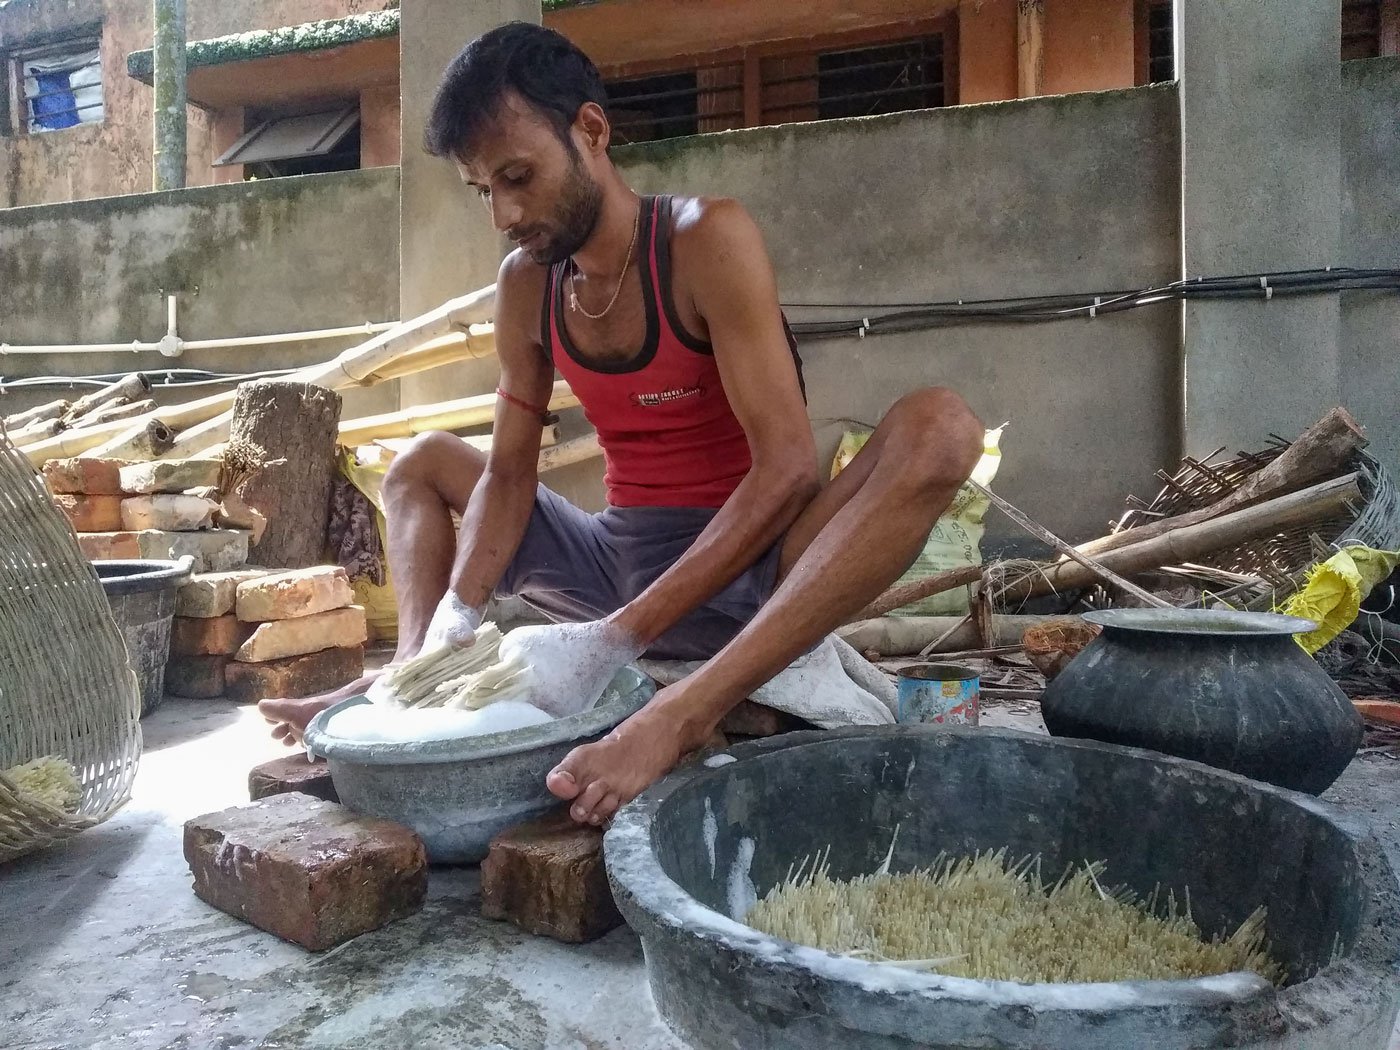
438, 461
939, 436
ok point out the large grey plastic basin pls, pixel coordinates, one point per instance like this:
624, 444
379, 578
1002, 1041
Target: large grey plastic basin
694, 850
458, 794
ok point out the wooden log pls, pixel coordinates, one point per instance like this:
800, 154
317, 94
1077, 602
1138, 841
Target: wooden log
358, 365
447, 415
37, 414
125, 390
295, 422
141, 441
116, 410
1320, 452
1317, 503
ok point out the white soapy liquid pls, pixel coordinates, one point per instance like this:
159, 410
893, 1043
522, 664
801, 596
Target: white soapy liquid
711, 832
377, 724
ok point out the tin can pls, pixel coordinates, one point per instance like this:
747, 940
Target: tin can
939, 693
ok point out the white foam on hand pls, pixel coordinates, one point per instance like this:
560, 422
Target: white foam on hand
566, 666
454, 623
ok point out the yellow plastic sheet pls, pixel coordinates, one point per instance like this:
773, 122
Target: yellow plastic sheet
956, 539
1335, 590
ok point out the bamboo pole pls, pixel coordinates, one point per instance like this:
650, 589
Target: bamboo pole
37, 414
910, 635
358, 365
479, 342
114, 410
1317, 503
446, 415
573, 451
129, 388
1320, 452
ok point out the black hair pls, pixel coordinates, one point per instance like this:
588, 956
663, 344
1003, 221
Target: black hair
543, 67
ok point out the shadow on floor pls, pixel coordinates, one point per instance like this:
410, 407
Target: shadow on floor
177, 721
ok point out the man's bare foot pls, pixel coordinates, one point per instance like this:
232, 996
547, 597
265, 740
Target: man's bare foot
289, 718
602, 777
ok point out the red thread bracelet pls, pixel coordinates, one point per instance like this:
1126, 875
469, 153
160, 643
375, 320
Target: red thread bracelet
512, 400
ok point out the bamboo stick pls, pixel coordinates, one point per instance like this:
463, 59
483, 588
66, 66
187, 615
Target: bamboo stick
357, 365
1320, 452
37, 431
115, 410
129, 388
144, 441
479, 342
576, 450
37, 414
446, 415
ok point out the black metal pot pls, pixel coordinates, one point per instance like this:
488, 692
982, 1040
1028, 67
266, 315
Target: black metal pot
1231, 689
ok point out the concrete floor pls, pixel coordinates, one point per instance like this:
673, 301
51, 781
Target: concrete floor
108, 949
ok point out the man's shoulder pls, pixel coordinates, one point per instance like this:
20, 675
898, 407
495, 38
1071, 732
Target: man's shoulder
698, 218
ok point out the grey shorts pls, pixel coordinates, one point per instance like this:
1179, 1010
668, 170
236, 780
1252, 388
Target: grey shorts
576, 566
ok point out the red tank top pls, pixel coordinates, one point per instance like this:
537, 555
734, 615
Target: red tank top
668, 433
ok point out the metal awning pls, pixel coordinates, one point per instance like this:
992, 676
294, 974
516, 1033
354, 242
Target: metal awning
287, 138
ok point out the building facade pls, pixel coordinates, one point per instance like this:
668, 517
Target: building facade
284, 87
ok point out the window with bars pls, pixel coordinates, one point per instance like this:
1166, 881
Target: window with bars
1361, 28
821, 84
58, 86
1161, 51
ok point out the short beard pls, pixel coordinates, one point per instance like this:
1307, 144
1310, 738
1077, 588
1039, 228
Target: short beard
576, 217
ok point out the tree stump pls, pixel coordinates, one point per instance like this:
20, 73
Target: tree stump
297, 423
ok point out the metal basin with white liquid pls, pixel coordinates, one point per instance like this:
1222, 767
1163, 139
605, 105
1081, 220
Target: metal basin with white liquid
457, 794
691, 854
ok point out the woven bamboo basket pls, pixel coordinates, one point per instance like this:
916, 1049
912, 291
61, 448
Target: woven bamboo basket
66, 687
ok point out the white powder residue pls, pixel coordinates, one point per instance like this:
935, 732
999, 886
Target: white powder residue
715, 761
742, 894
377, 724
711, 830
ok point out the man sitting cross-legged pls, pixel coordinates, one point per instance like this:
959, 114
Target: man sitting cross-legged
719, 542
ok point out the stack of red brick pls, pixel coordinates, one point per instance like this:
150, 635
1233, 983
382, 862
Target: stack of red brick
252, 634
164, 510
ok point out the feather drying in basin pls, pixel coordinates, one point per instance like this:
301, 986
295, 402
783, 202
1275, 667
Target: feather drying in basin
980, 917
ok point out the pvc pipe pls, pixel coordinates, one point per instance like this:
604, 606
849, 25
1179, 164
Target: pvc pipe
136, 346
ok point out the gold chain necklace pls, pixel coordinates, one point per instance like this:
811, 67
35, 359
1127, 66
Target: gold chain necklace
573, 269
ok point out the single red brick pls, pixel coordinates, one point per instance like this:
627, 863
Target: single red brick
95, 477
293, 773
547, 877
110, 546
207, 635
1378, 709
91, 513
294, 676
196, 677
310, 871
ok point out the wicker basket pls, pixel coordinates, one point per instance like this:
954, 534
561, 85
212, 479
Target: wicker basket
66, 688
1053, 644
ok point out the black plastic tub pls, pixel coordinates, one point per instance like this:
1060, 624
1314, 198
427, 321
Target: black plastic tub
142, 596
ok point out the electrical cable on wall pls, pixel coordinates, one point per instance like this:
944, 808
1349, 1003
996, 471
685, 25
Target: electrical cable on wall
877, 318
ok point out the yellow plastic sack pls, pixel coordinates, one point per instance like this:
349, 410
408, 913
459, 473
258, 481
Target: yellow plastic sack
381, 609
1335, 590
957, 536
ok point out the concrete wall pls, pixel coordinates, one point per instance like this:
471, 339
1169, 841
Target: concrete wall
254, 258
1370, 321
1050, 195
114, 157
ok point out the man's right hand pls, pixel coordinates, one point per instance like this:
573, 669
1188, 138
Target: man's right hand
453, 625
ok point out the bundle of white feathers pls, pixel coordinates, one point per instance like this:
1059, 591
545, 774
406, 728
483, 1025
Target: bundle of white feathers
462, 679
983, 918
50, 779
